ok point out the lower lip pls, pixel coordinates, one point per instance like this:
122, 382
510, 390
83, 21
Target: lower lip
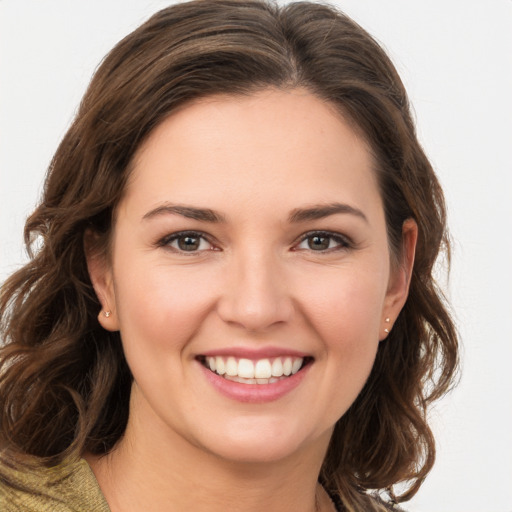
254, 393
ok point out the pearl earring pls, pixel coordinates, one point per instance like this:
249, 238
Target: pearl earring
386, 330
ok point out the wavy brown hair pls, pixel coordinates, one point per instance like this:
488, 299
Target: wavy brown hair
64, 382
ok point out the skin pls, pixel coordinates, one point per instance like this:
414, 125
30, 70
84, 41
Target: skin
253, 282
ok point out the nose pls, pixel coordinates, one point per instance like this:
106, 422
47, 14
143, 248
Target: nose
257, 295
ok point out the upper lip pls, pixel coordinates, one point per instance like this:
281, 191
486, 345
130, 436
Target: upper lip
254, 353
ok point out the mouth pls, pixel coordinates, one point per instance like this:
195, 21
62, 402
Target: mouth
255, 372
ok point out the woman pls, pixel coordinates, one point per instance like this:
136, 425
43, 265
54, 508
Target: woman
232, 306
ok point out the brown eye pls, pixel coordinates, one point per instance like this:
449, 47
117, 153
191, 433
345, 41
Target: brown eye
188, 243
319, 242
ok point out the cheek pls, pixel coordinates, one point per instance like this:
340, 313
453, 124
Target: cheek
159, 306
342, 311
347, 317
349, 308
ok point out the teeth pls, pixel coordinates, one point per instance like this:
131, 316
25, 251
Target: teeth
262, 371
231, 367
220, 367
246, 369
241, 380
296, 364
277, 367
287, 366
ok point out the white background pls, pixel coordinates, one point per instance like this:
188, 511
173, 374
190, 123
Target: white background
455, 57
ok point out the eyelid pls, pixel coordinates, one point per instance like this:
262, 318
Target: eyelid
166, 240
344, 241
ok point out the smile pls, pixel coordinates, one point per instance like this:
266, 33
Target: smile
260, 371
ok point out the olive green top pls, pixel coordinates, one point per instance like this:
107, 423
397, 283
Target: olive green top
64, 488
69, 487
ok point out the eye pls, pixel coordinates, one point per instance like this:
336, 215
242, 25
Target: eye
187, 241
321, 241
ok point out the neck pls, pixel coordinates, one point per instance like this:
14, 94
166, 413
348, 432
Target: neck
150, 470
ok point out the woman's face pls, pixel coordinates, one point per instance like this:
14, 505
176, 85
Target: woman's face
251, 242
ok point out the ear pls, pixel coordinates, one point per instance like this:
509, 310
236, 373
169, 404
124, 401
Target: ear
400, 278
100, 272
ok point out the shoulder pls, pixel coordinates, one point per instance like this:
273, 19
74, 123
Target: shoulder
68, 487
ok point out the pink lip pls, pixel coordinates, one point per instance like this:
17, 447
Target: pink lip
254, 393
257, 353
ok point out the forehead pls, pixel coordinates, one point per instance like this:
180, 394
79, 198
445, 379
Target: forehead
280, 144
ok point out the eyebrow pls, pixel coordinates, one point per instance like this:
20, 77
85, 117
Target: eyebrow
321, 211
314, 212
190, 212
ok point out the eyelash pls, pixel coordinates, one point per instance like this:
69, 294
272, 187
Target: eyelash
342, 242
167, 240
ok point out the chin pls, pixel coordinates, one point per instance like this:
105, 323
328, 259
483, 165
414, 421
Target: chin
255, 452
262, 443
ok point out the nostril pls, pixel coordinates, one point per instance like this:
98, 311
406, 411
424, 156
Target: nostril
255, 314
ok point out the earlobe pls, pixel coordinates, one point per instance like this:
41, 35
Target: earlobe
100, 273
108, 320
388, 320
400, 278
